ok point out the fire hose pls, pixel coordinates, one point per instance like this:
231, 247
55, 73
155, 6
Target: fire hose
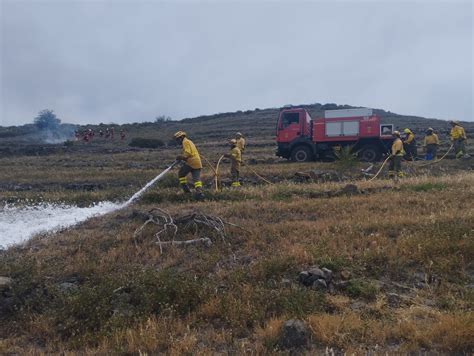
209, 164
421, 165
216, 171
438, 160
258, 175
381, 167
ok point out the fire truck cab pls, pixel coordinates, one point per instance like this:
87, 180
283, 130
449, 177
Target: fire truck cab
301, 138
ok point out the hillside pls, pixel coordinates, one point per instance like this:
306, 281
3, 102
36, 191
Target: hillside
257, 125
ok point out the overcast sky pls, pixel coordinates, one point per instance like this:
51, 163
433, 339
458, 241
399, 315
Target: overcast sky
127, 61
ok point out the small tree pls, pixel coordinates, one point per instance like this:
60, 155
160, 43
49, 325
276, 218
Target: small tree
47, 120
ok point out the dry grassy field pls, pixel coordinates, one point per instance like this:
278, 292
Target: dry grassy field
400, 253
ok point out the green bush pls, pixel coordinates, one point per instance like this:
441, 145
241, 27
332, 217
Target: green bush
361, 289
346, 158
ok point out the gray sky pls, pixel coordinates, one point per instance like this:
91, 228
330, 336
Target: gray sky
126, 61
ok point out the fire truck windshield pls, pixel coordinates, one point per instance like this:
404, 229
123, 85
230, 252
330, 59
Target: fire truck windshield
289, 118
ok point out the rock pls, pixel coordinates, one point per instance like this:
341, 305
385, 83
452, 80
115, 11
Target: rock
327, 274
67, 287
316, 277
303, 277
316, 273
345, 275
294, 334
5, 282
320, 284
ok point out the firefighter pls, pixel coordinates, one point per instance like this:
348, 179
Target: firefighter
235, 156
458, 138
409, 145
122, 134
101, 133
395, 168
192, 164
240, 142
431, 144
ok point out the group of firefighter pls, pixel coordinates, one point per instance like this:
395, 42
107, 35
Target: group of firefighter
401, 150
88, 134
192, 162
406, 149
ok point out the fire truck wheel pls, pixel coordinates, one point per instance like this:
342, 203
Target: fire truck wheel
301, 154
369, 153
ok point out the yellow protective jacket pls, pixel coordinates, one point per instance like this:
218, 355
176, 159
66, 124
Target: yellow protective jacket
236, 155
410, 137
241, 144
431, 139
397, 148
457, 132
191, 154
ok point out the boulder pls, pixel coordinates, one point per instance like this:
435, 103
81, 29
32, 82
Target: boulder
318, 278
294, 334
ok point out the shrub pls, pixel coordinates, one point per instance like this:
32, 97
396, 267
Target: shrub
361, 289
346, 158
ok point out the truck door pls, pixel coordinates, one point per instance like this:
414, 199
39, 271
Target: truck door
289, 126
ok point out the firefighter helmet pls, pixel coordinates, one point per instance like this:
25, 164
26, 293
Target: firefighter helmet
179, 134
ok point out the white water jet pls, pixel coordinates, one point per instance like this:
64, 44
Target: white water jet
148, 185
18, 224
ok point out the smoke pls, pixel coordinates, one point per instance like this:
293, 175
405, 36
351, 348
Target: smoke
60, 134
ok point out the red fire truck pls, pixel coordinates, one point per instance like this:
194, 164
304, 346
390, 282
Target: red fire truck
301, 138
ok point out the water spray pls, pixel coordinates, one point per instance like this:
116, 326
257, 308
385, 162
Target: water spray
148, 185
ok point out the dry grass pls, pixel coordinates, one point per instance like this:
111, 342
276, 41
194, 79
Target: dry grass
234, 296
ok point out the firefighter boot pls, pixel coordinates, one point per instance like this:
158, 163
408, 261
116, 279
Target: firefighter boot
199, 195
184, 185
